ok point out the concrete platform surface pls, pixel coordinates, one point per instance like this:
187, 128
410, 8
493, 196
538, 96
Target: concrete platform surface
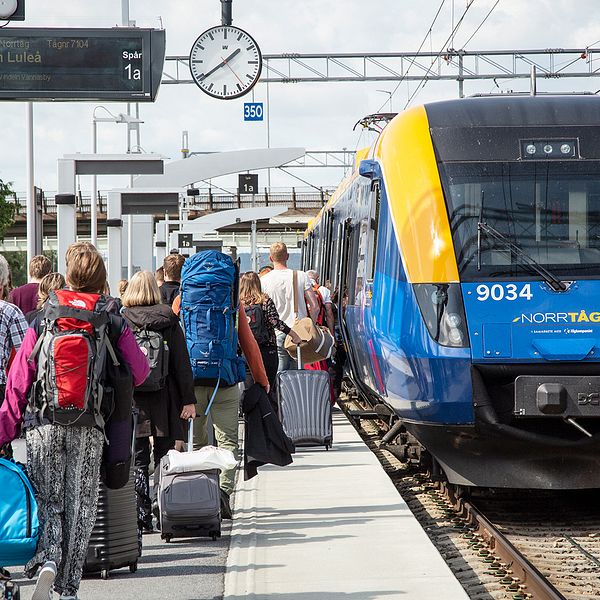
331, 527
185, 569
191, 569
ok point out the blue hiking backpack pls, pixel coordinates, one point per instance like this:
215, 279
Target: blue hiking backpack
19, 526
209, 307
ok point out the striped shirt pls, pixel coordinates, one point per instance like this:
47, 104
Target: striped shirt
12, 331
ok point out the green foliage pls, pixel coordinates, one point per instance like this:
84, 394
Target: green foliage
17, 261
7, 208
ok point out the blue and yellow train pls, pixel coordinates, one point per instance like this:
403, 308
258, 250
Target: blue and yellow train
465, 250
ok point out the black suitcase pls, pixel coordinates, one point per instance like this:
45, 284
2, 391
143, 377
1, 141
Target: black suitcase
115, 540
9, 590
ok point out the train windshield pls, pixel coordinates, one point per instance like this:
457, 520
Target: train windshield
550, 210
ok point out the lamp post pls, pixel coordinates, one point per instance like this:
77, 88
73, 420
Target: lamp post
120, 118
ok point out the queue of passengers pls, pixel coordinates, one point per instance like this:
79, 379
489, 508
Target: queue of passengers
64, 461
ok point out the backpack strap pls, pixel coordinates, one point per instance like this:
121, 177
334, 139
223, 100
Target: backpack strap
212, 398
116, 324
37, 347
295, 292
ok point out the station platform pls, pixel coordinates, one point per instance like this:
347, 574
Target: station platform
331, 526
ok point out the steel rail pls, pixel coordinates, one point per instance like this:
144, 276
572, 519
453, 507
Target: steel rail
530, 579
527, 582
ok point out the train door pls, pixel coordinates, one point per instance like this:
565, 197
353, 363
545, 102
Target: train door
329, 249
374, 208
304, 255
348, 311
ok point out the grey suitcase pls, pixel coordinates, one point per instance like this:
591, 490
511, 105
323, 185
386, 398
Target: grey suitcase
189, 503
305, 407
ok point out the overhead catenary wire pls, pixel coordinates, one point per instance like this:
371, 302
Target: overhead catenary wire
482, 23
428, 33
424, 79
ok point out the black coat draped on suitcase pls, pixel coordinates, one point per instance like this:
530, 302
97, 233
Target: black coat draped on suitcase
265, 441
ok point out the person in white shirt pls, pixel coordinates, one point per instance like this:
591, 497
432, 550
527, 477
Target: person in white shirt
326, 297
278, 284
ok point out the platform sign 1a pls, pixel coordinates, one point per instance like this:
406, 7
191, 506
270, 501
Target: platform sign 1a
248, 183
185, 240
253, 111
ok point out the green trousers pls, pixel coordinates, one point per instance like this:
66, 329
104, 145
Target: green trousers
224, 415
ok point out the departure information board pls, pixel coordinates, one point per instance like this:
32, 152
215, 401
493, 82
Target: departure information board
120, 64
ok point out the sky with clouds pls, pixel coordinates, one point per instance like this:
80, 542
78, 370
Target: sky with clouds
311, 115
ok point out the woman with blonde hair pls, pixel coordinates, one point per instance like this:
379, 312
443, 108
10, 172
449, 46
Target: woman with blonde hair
264, 320
166, 397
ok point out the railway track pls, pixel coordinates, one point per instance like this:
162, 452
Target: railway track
511, 544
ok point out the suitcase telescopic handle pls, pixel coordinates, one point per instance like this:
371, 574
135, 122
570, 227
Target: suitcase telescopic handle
299, 357
190, 444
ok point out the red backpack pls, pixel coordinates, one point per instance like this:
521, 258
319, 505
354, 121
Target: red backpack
71, 351
321, 315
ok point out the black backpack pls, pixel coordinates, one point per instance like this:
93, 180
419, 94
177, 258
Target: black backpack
156, 350
258, 324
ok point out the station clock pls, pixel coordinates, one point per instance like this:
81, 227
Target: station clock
225, 62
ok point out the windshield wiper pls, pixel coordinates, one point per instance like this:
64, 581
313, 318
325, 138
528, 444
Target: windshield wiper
513, 250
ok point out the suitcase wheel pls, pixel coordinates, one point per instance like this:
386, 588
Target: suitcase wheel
104, 574
167, 538
133, 567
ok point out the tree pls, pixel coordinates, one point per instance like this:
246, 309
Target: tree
7, 208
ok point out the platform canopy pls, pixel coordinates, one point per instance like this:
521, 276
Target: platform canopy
187, 171
223, 218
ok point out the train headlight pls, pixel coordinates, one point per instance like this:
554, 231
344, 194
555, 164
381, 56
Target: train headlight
442, 309
549, 149
565, 149
453, 319
455, 336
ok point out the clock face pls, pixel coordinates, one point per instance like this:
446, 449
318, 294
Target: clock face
225, 62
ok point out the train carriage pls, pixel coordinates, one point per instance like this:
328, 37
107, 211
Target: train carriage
465, 249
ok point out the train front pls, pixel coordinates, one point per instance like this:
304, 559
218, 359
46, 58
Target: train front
520, 178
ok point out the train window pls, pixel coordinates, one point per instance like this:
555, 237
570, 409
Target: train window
548, 209
373, 227
315, 262
335, 268
348, 260
329, 248
353, 263
304, 261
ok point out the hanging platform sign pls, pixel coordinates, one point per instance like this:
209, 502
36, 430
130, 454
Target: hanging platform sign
119, 64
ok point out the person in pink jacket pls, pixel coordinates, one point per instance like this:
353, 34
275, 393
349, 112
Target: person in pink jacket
64, 460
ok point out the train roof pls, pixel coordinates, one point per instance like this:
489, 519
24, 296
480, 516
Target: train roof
360, 155
507, 111
468, 115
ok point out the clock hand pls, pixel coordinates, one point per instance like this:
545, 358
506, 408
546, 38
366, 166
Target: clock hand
221, 64
236, 75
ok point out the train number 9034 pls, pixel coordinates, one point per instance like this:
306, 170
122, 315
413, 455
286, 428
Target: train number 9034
509, 291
